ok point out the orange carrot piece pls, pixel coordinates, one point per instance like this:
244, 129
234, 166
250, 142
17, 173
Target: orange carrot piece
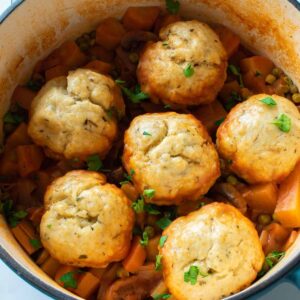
130, 191
291, 240
109, 33
136, 256
98, 272
256, 65
256, 83
261, 197
9, 163
27, 228
140, 18
230, 40
99, 66
30, 158
71, 55
23, 239
165, 21
210, 115
152, 248
229, 88
87, 285
100, 53
43, 180
23, 96
42, 257
35, 215
287, 210
50, 266
51, 61
18, 137
57, 71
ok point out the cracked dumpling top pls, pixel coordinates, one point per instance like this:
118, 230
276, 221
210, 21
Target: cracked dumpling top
76, 116
172, 154
218, 242
261, 138
188, 66
88, 222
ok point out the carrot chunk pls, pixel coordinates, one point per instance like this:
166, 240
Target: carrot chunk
100, 53
50, 266
30, 158
42, 257
229, 88
63, 270
57, 71
261, 197
23, 96
287, 210
291, 240
9, 163
70, 55
211, 115
136, 257
109, 33
230, 40
258, 66
140, 18
18, 137
99, 66
87, 285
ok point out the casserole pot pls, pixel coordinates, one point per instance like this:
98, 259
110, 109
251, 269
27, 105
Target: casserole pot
31, 29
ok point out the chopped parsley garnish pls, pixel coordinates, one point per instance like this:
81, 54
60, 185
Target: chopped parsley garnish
94, 163
69, 280
219, 122
120, 81
147, 133
151, 209
167, 106
234, 70
162, 240
173, 6
270, 261
283, 122
110, 113
13, 217
36, 244
49, 226
128, 177
192, 274
257, 74
268, 101
163, 223
161, 296
233, 100
82, 256
188, 71
149, 193
135, 95
138, 206
145, 239
165, 43
12, 118
158, 265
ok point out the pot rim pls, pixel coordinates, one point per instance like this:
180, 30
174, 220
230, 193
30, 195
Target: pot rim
50, 291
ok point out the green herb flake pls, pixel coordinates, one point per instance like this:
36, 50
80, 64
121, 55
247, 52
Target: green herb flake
36, 244
268, 101
110, 113
158, 265
138, 206
283, 122
151, 209
188, 71
173, 6
270, 261
165, 43
49, 226
145, 239
167, 106
161, 296
82, 256
220, 121
147, 133
136, 95
69, 280
128, 177
257, 74
234, 70
162, 240
192, 274
12, 118
120, 81
149, 193
163, 223
13, 217
94, 163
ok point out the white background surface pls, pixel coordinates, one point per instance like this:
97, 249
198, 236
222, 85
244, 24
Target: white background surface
13, 287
